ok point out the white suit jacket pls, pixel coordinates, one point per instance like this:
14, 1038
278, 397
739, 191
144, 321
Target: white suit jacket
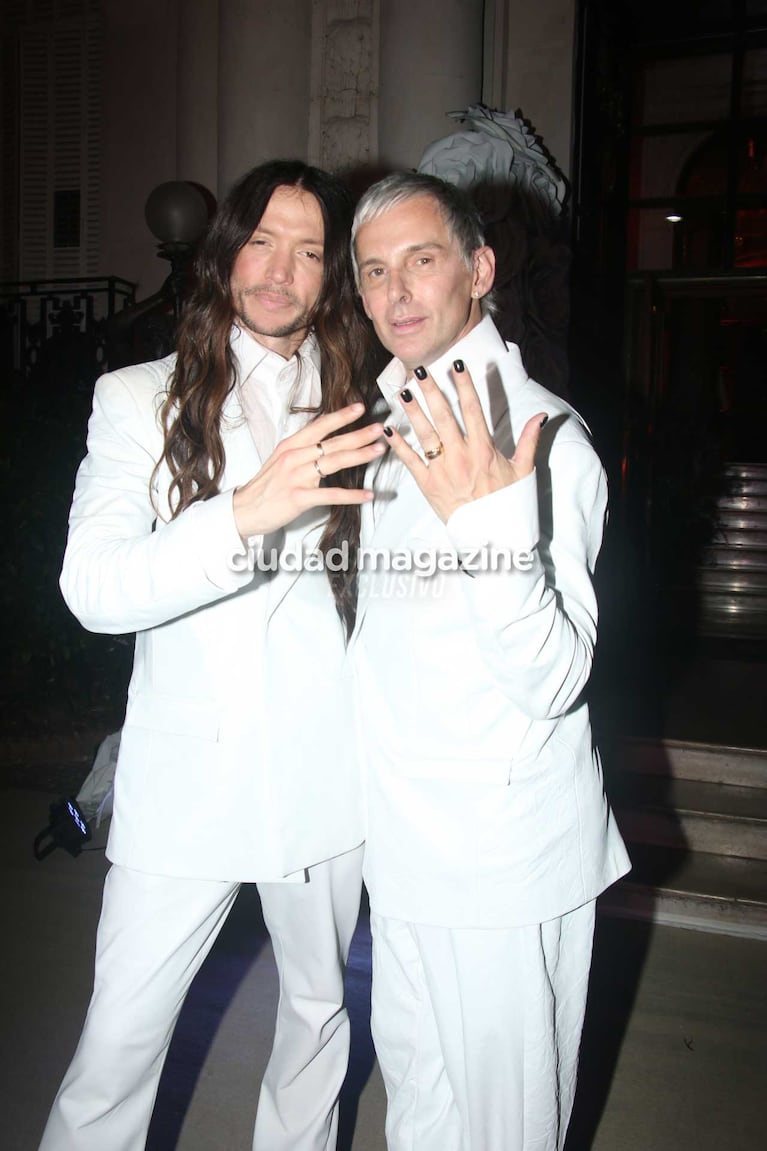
484, 792
235, 761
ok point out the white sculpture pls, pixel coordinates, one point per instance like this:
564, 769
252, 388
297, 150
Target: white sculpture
497, 148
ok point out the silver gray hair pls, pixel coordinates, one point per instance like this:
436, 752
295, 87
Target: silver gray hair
458, 211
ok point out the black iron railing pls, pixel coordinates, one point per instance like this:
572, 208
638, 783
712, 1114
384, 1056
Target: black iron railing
57, 332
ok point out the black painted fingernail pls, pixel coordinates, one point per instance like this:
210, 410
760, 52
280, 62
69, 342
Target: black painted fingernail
545, 420
459, 365
419, 373
388, 431
406, 395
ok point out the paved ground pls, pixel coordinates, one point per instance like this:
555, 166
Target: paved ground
674, 1056
674, 1052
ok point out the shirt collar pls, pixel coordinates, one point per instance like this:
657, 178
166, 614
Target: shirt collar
250, 354
483, 343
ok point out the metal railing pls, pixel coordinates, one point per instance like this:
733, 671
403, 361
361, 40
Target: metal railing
57, 332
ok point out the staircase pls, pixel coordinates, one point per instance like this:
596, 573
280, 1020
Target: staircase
732, 578
694, 817
693, 814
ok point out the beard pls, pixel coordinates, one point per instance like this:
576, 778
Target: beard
299, 322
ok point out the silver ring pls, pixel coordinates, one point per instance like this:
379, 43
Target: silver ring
434, 452
318, 469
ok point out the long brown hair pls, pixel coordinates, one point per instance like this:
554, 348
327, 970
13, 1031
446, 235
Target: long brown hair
205, 371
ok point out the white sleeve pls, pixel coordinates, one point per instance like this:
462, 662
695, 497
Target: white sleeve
122, 572
536, 623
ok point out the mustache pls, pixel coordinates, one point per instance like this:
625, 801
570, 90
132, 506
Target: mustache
268, 290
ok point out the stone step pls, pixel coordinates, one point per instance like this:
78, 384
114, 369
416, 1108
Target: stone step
694, 816
741, 535
746, 477
735, 614
686, 759
733, 581
743, 502
741, 559
743, 532
687, 814
695, 890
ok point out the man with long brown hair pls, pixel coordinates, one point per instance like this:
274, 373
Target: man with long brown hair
233, 764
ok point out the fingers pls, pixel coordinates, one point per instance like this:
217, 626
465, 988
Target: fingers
444, 422
405, 453
317, 438
335, 496
426, 431
447, 427
330, 462
471, 408
325, 425
325, 457
524, 456
290, 481
477, 431
350, 441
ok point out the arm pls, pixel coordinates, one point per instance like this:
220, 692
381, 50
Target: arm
536, 626
124, 570
120, 575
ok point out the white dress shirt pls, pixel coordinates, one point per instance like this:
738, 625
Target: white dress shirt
275, 393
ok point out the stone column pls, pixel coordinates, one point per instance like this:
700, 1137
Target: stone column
264, 66
431, 64
342, 126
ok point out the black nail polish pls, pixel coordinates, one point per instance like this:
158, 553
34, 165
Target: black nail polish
388, 431
419, 373
406, 395
544, 421
459, 366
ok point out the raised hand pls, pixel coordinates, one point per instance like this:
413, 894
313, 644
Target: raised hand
459, 466
289, 482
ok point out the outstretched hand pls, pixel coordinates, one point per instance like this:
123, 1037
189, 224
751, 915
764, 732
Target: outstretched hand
459, 466
289, 482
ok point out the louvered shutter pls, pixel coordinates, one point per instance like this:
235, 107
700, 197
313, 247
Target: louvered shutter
60, 86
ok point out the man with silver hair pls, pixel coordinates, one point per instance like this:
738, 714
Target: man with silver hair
488, 833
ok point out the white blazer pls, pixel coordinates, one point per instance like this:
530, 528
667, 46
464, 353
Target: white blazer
484, 793
235, 761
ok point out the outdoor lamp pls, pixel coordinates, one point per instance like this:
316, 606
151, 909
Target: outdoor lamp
176, 213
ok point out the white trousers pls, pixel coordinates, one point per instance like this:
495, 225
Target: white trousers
153, 936
477, 1031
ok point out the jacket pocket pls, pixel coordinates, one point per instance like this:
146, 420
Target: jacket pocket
194, 718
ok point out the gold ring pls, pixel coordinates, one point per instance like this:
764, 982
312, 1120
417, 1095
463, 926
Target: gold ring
321, 450
318, 469
434, 452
